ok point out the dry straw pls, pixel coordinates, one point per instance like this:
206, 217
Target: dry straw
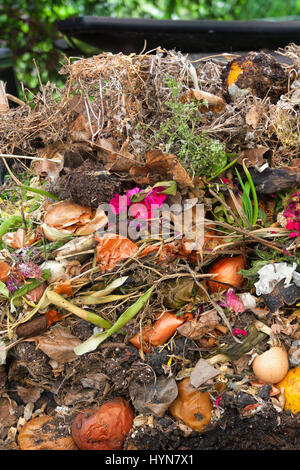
118, 95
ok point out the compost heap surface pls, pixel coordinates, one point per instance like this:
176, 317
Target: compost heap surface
166, 333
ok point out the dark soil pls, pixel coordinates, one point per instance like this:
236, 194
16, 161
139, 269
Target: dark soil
264, 431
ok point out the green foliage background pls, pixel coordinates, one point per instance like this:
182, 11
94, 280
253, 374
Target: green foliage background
29, 28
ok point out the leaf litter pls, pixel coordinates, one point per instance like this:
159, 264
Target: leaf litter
89, 314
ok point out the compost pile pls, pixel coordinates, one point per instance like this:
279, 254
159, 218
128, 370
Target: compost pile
149, 263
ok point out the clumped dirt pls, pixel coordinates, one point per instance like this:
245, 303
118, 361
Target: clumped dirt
89, 185
261, 74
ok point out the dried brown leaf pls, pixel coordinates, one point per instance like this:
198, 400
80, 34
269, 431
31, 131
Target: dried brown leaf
113, 157
160, 166
153, 398
29, 394
200, 326
58, 345
202, 372
254, 115
255, 156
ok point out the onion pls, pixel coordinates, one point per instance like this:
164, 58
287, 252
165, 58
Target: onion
65, 213
53, 234
227, 271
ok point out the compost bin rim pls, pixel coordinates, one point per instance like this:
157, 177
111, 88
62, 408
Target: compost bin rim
88, 23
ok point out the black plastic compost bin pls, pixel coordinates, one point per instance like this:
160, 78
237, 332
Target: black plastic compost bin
7, 72
134, 35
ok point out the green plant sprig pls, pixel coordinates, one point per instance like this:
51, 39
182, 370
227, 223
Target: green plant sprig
251, 210
181, 135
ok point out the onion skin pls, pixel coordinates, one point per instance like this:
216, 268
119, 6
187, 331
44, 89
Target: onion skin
212, 240
192, 406
158, 333
37, 293
103, 428
227, 272
4, 271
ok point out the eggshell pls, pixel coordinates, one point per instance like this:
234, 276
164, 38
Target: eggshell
271, 366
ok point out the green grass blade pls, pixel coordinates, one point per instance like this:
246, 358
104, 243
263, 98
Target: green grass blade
95, 340
254, 194
247, 205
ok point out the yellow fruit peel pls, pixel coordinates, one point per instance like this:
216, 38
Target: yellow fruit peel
291, 386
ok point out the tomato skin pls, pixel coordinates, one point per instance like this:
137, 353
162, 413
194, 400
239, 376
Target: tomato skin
4, 271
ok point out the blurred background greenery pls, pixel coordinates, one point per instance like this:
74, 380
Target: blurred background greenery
29, 28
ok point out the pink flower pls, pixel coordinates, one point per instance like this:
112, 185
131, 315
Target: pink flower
292, 215
232, 301
236, 331
294, 234
225, 180
118, 204
132, 192
155, 198
218, 401
138, 211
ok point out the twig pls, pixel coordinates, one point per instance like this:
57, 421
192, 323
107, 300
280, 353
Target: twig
18, 182
227, 207
215, 305
250, 235
15, 99
26, 157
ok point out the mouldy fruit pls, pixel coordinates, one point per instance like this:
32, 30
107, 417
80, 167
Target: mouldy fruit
227, 272
272, 365
291, 386
256, 73
103, 428
192, 406
41, 434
